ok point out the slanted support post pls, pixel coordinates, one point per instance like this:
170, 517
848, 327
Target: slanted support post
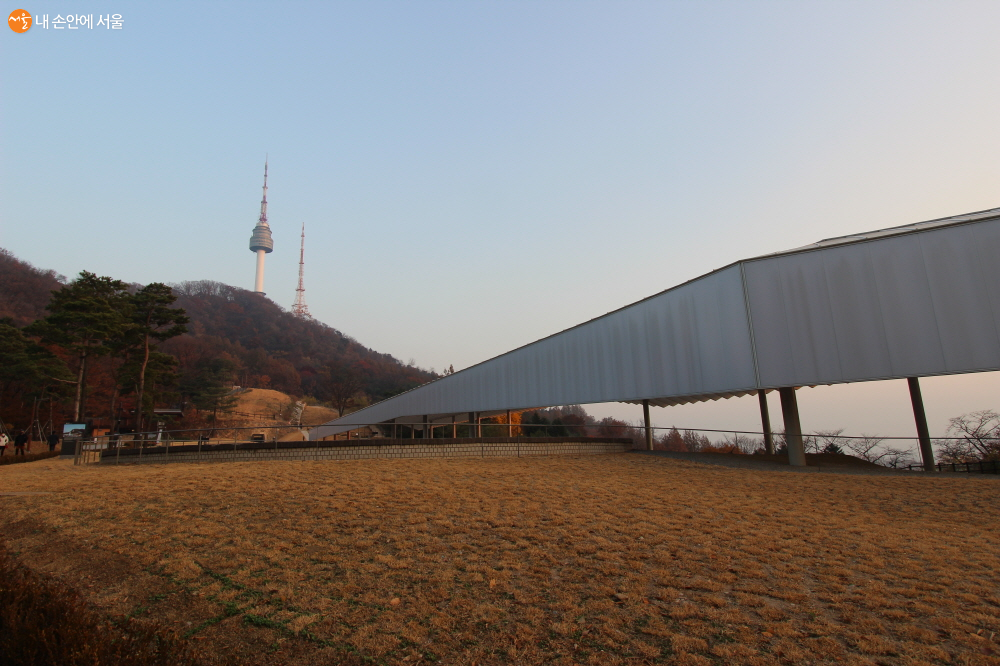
649, 426
793, 429
923, 434
765, 422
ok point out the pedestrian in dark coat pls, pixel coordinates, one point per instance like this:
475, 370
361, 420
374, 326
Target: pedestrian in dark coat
53, 440
20, 442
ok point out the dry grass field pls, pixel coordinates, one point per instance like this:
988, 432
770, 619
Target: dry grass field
601, 559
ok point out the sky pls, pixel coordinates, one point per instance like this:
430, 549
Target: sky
474, 176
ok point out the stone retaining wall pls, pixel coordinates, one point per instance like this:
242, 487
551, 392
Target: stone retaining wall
492, 447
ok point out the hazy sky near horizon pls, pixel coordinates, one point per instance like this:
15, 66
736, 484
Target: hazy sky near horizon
474, 176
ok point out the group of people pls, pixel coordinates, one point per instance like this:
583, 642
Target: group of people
21, 442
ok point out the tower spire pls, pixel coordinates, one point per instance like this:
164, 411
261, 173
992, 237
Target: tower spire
263, 201
299, 308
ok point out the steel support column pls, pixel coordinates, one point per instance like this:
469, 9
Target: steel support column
793, 429
649, 427
765, 422
472, 421
510, 428
426, 433
923, 434
454, 427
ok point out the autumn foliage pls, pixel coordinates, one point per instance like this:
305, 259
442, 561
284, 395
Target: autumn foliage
235, 336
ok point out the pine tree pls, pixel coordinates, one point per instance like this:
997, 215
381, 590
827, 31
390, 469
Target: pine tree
152, 318
212, 387
83, 316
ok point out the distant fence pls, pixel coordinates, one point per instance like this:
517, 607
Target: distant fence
494, 447
723, 441
975, 467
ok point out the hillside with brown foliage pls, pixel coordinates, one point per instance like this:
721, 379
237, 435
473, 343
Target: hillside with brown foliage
26, 289
260, 344
275, 349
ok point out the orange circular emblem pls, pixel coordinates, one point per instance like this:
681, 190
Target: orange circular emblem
19, 20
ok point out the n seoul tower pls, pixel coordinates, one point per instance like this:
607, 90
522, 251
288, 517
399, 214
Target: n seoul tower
261, 242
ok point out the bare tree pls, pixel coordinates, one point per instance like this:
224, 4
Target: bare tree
694, 441
742, 443
952, 451
865, 447
344, 387
896, 458
980, 437
830, 441
869, 447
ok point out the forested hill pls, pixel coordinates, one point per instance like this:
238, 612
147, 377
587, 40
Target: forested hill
268, 346
24, 289
300, 355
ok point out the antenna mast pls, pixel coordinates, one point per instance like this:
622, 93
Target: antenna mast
299, 308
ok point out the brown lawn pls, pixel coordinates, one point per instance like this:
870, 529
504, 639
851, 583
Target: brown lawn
603, 559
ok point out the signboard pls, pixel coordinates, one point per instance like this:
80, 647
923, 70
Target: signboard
72, 433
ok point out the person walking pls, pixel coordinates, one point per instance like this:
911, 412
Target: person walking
20, 441
53, 440
4, 440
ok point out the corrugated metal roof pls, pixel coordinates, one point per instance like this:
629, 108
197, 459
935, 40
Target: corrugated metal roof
912, 300
890, 231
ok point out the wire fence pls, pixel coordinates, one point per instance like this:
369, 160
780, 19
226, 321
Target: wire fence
705, 440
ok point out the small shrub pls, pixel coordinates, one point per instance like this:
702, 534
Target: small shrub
10, 459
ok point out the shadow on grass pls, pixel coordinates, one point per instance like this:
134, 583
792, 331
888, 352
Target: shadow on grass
45, 622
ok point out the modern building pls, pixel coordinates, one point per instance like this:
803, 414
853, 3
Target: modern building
905, 302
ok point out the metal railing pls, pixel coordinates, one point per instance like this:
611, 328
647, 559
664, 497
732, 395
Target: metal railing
971, 467
734, 441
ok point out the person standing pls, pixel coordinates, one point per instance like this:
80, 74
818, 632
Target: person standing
20, 441
4, 439
53, 440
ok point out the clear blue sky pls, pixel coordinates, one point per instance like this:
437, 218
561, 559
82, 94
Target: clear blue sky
476, 175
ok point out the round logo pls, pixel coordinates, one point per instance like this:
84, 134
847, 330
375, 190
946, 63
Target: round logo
19, 20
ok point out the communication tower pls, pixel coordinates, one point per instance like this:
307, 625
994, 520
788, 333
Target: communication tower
299, 308
260, 241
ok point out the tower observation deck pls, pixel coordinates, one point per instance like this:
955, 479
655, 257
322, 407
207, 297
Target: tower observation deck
260, 241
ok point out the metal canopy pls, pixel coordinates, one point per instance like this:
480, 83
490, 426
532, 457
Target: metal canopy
916, 300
